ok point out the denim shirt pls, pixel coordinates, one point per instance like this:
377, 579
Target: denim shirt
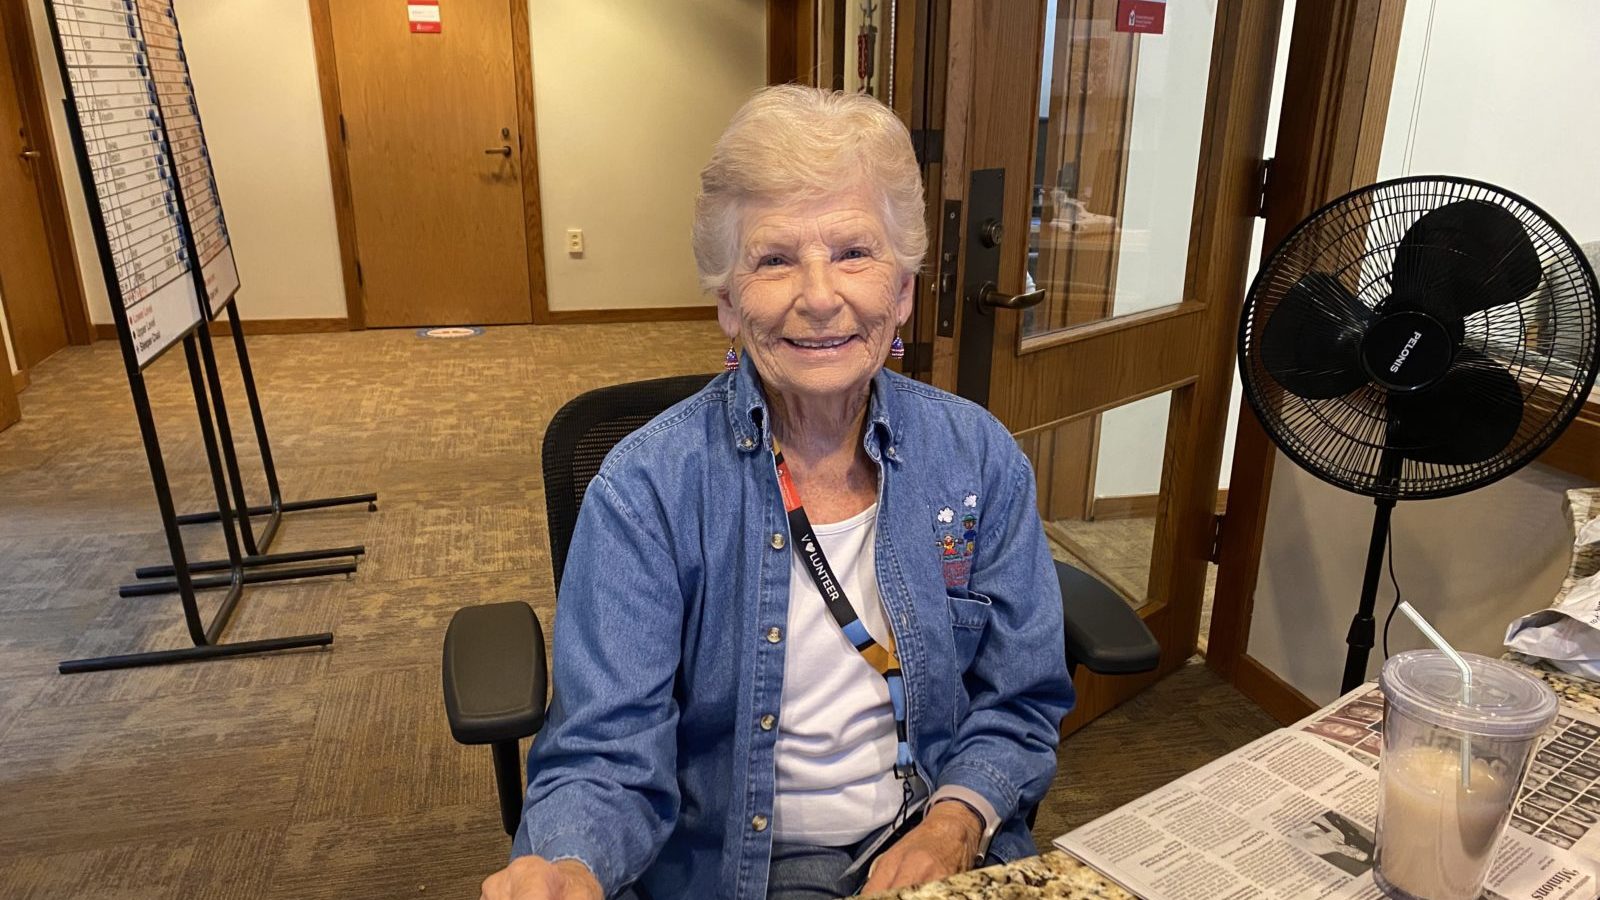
653, 765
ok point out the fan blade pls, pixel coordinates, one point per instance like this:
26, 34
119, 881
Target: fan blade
1469, 416
1462, 258
1311, 343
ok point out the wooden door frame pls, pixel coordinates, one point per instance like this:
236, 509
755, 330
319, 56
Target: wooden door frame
23, 50
10, 409
1196, 372
533, 224
791, 41
1335, 101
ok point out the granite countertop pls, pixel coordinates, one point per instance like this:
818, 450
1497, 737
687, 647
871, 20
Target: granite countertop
1570, 689
1054, 875
1060, 876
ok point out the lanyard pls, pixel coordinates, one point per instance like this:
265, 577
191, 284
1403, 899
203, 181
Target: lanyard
880, 657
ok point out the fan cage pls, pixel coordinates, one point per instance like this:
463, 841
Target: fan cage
1546, 340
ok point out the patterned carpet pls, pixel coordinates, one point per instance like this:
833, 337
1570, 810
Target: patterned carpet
332, 774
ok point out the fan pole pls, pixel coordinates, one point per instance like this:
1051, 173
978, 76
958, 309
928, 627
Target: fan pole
1363, 628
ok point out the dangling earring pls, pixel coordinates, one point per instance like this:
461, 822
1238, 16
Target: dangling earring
898, 348
731, 361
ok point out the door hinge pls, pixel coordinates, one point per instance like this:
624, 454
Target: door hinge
929, 145
1263, 178
1216, 537
344, 136
360, 278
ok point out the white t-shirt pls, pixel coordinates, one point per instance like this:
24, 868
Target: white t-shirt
836, 738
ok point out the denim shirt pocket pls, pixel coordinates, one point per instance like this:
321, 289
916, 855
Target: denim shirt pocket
969, 617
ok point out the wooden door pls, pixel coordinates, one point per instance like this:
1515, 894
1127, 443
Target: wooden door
10, 411
431, 135
1119, 185
27, 280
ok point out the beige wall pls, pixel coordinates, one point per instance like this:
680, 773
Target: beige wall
1470, 564
255, 76
630, 96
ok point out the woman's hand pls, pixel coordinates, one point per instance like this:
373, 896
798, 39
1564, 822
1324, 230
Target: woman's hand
534, 878
945, 843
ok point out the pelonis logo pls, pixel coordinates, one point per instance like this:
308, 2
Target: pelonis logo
1405, 352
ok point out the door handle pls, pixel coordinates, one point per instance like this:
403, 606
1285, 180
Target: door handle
30, 154
499, 151
990, 297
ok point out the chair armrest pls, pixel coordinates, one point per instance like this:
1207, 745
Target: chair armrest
1104, 633
495, 686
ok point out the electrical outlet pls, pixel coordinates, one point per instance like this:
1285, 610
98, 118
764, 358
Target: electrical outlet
575, 241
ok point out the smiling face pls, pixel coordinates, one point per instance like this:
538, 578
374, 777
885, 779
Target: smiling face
816, 294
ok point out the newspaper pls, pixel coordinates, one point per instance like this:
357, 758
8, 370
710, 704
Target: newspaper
1290, 815
1560, 799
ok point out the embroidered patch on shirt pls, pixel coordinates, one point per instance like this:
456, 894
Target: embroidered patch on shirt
957, 541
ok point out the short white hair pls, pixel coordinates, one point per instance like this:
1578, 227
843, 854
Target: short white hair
793, 142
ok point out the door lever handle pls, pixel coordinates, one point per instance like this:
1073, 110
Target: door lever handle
30, 154
499, 151
990, 297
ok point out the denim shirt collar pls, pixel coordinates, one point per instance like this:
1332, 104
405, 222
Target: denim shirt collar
752, 428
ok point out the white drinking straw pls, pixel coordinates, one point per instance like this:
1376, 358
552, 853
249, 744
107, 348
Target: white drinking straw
1437, 639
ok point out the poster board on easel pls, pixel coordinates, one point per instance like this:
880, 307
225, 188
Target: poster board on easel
168, 265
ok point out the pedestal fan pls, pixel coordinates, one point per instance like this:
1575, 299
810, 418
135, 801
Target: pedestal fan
1418, 338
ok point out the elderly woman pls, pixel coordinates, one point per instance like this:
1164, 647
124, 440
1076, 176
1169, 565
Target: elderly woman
809, 633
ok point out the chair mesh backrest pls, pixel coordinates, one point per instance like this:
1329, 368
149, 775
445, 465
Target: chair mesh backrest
583, 432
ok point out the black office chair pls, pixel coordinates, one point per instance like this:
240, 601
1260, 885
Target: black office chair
495, 682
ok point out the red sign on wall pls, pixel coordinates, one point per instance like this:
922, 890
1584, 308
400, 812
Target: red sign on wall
423, 16
1141, 16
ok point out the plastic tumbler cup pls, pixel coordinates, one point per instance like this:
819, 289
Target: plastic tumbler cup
1437, 832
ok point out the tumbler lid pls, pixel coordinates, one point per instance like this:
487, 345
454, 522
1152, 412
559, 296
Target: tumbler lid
1506, 701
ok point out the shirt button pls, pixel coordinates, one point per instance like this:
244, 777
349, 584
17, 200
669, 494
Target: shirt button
759, 823
892, 454
767, 721
774, 634
746, 444
777, 540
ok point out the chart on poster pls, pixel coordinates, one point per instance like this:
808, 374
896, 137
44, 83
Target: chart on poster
147, 158
114, 97
169, 68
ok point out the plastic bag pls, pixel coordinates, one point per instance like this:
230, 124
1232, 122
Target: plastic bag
1568, 633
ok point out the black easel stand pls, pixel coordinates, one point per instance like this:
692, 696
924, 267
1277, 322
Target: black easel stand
256, 550
137, 178
255, 555
206, 635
